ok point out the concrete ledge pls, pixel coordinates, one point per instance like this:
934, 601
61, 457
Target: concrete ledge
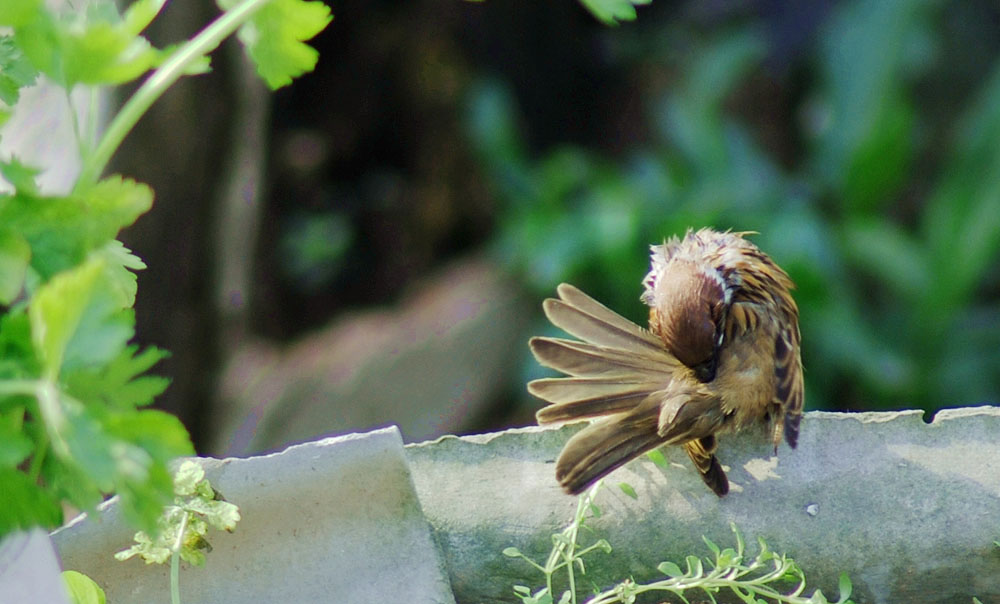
335, 520
909, 510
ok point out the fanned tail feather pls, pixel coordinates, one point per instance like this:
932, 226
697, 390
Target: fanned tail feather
584, 317
619, 370
615, 367
580, 398
601, 448
580, 359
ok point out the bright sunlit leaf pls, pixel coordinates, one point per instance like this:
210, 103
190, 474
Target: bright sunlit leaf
274, 38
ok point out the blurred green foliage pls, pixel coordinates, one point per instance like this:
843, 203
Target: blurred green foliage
886, 213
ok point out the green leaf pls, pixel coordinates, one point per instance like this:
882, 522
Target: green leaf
159, 434
628, 490
57, 310
711, 545
15, 71
116, 203
694, 565
20, 176
15, 13
140, 14
15, 445
82, 589
119, 383
845, 587
221, 515
187, 477
76, 321
150, 550
77, 437
17, 354
96, 46
120, 264
15, 254
818, 598
62, 231
26, 504
670, 569
656, 456
274, 38
610, 12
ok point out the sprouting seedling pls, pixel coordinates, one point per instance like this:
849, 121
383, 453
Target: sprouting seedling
184, 524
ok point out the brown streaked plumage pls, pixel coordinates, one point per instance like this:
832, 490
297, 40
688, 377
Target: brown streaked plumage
721, 353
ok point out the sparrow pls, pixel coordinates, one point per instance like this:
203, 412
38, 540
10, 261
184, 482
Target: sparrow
721, 353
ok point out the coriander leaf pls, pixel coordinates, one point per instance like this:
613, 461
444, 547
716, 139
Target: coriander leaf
119, 383
140, 14
56, 311
125, 453
77, 437
274, 38
25, 503
15, 254
95, 46
161, 435
122, 281
144, 489
17, 354
16, 71
21, 176
76, 320
62, 231
15, 446
117, 202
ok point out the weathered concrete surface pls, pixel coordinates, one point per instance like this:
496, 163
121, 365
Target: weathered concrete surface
909, 510
336, 520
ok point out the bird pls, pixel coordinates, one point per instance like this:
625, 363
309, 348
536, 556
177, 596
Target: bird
721, 353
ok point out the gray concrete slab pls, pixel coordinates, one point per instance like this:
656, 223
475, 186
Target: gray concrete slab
909, 510
335, 520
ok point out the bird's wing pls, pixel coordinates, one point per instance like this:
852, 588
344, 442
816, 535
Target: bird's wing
789, 392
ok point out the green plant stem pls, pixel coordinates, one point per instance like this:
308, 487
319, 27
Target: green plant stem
13, 387
175, 564
39, 457
175, 581
157, 83
565, 553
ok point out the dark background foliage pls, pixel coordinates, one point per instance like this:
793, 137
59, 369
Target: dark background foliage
860, 139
